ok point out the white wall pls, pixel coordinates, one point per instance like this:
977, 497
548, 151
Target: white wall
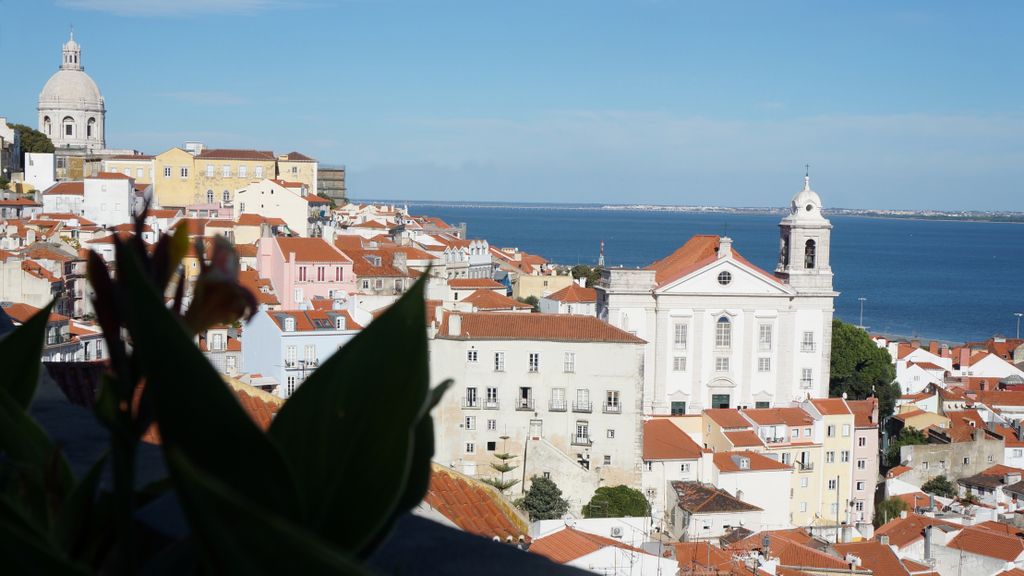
109, 202
40, 170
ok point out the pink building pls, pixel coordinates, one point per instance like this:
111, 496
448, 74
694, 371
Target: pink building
865, 458
303, 268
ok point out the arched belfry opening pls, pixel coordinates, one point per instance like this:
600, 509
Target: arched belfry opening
810, 254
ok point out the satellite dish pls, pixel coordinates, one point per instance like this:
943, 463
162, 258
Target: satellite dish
569, 520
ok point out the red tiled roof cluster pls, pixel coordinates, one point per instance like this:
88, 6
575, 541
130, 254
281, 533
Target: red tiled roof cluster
548, 327
491, 301
569, 544
310, 250
663, 440
473, 506
574, 293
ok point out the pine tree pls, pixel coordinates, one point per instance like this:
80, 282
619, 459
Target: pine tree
543, 501
504, 465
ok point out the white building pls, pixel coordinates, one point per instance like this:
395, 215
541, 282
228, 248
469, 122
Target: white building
272, 199
756, 479
573, 299
64, 198
40, 170
565, 390
109, 199
721, 332
71, 108
670, 454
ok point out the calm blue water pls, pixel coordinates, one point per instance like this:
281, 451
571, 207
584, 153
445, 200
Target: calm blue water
946, 280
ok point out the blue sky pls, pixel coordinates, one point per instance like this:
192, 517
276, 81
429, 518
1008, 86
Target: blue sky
914, 104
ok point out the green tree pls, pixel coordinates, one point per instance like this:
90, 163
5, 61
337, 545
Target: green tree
543, 501
888, 509
591, 273
940, 486
32, 140
616, 502
504, 465
532, 301
907, 437
861, 369
3, 183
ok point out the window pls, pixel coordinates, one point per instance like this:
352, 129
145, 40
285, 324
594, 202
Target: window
844, 456
989, 458
243, 171
470, 448
610, 434
862, 464
492, 397
809, 253
499, 361
534, 362
582, 430
652, 493
803, 482
138, 172
569, 362
833, 509
830, 430
724, 278
492, 425
796, 433
680, 335
721, 364
209, 170
761, 405
967, 461
832, 484
1018, 452
302, 273
607, 460
558, 399
684, 467
860, 485
290, 353
310, 353
338, 274
764, 364
862, 441
611, 401
649, 465
787, 458
492, 446
231, 362
183, 172
258, 172
723, 333
678, 408
470, 422
679, 364
803, 505
209, 196
378, 284
719, 400
291, 385
858, 505
321, 273
807, 342
764, 337
846, 430
167, 171
225, 171
128, 172
830, 457
226, 196
472, 355
806, 378
471, 397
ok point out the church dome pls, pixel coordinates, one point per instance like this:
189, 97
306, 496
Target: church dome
71, 88
806, 203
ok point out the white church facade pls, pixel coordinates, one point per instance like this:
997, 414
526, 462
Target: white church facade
723, 333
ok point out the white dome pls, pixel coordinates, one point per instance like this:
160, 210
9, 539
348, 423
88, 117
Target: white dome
806, 204
71, 89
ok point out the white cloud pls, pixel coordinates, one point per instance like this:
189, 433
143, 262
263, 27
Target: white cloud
173, 7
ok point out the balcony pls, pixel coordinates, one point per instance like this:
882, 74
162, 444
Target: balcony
804, 466
524, 404
490, 405
585, 406
807, 346
470, 404
613, 408
557, 406
582, 441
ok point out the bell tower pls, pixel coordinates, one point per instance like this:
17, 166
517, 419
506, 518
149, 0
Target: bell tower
72, 59
805, 243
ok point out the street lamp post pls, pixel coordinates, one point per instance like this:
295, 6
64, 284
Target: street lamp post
862, 300
1018, 315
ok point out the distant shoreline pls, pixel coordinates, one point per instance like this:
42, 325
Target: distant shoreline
925, 215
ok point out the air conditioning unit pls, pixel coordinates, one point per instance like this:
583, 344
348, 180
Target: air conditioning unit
616, 531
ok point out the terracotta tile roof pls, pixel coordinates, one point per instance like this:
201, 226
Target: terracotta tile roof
547, 327
36, 269
312, 320
787, 416
574, 293
1011, 572
697, 497
727, 417
473, 506
926, 366
905, 531
569, 544
988, 543
66, 189
231, 154
703, 558
755, 541
897, 471
1000, 397
916, 397
169, 213
663, 440
297, 157
195, 226
18, 202
250, 219
131, 157
914, 500
247, 250
1001, 528
130, 228
793, 547
831, 406
865, 412
744, 439
109, 176
42, 251
903, 416
221, 223
20, 313
314, 199
727, 462
310, 250
875, 556
474, 283
696, 253
488, 300
61, 216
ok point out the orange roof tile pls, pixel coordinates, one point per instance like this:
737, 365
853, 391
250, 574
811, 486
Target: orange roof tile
569, 544
574, 293
547, 327
110, 176
663, 440
988, 543
865, 412
231, 154
831, 406
730, 462
488, 300
473, 506
698, 251
310, 250
474, 283
744, 439
727, 417
787, 416
66, 189
874, 556
897, 471
904, 531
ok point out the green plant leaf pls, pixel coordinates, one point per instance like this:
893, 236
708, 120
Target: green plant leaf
423, 453
73, 526
194, 409
24, 553
237, 537
20, 354
350, 461
45, 473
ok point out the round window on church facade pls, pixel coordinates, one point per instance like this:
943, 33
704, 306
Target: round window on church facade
810, 207
724, 278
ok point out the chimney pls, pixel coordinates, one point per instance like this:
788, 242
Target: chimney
933, 347
724, 247
965, 358
931, 502
1011, 478
399, 261
455, 325
884, 540
927, 544
903, 513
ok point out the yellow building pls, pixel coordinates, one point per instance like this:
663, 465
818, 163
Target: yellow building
219, 172
539, 286
913, 417
837, 465
139, 167
173, 185
297, 167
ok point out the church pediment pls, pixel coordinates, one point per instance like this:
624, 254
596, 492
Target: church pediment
728, 276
